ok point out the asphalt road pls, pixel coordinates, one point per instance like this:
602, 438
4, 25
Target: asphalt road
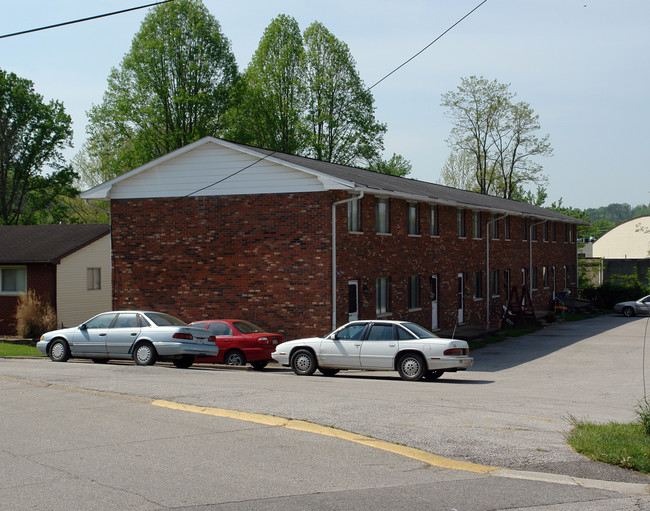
85, 436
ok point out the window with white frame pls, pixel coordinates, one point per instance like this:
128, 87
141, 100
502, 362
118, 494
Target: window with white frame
13, 280
524, 229
413, 217
354, 215
382, 216
506, 227
494, 227
494, 283
414, 292
476, 224
383, 295
534, 279
545, 276
545, 231
434, 229
94, 278
461, 223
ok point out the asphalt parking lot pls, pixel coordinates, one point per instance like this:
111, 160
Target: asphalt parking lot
509, 412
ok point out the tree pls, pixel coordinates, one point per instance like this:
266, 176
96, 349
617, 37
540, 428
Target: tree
272, 97
33, 174
172, 88
340, 113
397, 165
458, 171
498, 135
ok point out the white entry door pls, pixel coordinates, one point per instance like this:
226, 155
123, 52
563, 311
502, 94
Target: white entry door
461, 298
434, 302
353, 300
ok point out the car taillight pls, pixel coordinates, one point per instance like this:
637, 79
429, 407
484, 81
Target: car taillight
263, 340
456, 352
181, 335
213, 339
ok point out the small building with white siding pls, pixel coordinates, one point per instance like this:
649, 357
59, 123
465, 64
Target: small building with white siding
67, 266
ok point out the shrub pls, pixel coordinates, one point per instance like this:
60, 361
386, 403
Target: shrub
33, 316
643, 411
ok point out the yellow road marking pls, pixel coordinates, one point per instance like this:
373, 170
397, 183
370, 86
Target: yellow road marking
309, 427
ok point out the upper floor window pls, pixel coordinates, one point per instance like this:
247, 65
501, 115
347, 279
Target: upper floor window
553, 232
383, 295
545, 231
413, 217
461, 223
524, 229
13, 280
506, 227
93, 278
476, 224
382, 216
494, 227
354, 215
434, 229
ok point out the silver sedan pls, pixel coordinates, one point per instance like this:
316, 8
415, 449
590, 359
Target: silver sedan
641, 306
377, 345
143, 336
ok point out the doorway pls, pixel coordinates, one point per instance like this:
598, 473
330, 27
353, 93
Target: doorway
353, 300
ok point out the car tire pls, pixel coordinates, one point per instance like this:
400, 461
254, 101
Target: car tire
235, 358
433, 375
628, 312
411, 367
303, 363
183, 362
144, 354
258, 365
328, 371
59, 351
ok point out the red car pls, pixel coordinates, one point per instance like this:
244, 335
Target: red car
239, 342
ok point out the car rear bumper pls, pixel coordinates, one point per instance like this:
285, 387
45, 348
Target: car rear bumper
450, 363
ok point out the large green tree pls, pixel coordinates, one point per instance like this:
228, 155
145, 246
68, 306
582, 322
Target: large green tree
33, 173
498, 135
172, 87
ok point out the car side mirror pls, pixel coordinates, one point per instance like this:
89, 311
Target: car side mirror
83, 326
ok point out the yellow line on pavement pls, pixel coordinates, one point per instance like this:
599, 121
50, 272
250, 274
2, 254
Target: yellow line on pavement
309, 427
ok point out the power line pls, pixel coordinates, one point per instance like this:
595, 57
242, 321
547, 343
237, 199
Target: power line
84, 19
428, 45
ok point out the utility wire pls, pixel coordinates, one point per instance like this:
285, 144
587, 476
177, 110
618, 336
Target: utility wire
427, 46
84, 19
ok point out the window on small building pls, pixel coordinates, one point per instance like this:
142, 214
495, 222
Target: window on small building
572, 232
506, 227
354, 216
382, 216
545, 231
534, 279
524, 229
413, 217
94, 278
533, 231
433, 227
494, 283
494, 227
566, 233
414, 292
478, 284
461, 223
476, 224
553, 232
383, 295
13, 280
545, 276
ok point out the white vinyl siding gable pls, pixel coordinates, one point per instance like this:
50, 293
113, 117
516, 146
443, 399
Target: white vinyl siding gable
75, 303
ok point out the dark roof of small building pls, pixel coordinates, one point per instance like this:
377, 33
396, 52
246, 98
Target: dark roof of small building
23, 244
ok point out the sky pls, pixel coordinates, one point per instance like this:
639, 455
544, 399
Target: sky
582, 65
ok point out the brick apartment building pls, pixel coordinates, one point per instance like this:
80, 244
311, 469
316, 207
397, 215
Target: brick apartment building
218, 229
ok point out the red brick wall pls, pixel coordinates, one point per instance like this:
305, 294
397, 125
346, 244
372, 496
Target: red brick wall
42, 279
267, 258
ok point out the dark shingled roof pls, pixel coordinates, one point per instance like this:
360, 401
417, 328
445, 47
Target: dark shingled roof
22, 244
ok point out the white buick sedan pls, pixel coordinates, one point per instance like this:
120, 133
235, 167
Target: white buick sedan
376, 345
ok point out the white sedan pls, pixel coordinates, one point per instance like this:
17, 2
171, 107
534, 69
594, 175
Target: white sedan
629, 309
376, 345
143, 336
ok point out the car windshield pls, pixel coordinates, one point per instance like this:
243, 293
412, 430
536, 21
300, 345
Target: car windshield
162, 319
421, 332
247, 328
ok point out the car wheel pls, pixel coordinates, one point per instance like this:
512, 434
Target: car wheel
100, 360
327, 371
411, 367
59, 351
235, 358
303, 363
144, 354
628, 312
183, 362
258, 365
433, 375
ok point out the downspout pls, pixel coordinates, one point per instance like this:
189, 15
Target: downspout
488, 235
358, 197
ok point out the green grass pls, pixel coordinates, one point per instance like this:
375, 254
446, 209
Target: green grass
624, 445
10, 349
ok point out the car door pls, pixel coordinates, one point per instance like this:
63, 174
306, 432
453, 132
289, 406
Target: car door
379, 347
122, 334
644, 305
342, 348
90, 339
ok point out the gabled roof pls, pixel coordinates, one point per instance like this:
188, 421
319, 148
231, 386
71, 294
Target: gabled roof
23, 244
335, 176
